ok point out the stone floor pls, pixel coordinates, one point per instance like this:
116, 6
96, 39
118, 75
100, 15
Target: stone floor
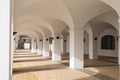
29, 66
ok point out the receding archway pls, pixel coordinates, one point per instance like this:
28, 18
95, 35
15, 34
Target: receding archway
107, 57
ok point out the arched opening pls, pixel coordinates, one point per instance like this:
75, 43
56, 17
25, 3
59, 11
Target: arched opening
65, 48
105, 45
23, 42
86, 43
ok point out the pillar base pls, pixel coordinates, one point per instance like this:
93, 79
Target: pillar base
95, 57
39, 52
34, 51
56, 57
119, 62
76, 64
46, 54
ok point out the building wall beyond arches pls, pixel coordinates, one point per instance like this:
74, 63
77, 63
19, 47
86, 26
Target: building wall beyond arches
104, 52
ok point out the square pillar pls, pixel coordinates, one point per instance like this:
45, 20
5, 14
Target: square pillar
76, 48
16, 42
12, 46
40, 49
38, 52
56, 55
91, 56
95, 49
34, 50
64, 44
46, 47
119, 43
68, 44
5, 64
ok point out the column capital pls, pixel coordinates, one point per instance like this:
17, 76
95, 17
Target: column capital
73, 30
45, 37
56, 34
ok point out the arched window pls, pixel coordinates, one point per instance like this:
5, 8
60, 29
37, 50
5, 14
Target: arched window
108, 42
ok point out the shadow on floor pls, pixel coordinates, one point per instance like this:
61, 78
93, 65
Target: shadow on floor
22, 54
98, 76
65, 56
31, 60
26, 56
101, 65
109, 60
65, 63
38, 68
94, 76
22, 51
103, 61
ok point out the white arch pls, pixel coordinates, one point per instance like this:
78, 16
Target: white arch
57, 25
58, 10
89, 30
30, 27
113, 4
109, 17
33, 34
33, 20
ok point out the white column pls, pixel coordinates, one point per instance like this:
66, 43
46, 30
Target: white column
119, 43
17, 39
68, 44
32, 46
38, 52
34, 50
46, 47
76, 48
64, 44
56, 55
12, 46
95, 48
91, 56
5, 39
40, 49
12, 51
89, 30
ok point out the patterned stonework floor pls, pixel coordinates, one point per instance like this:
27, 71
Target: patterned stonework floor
29, 66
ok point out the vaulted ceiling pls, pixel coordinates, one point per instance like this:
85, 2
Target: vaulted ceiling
47, 17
